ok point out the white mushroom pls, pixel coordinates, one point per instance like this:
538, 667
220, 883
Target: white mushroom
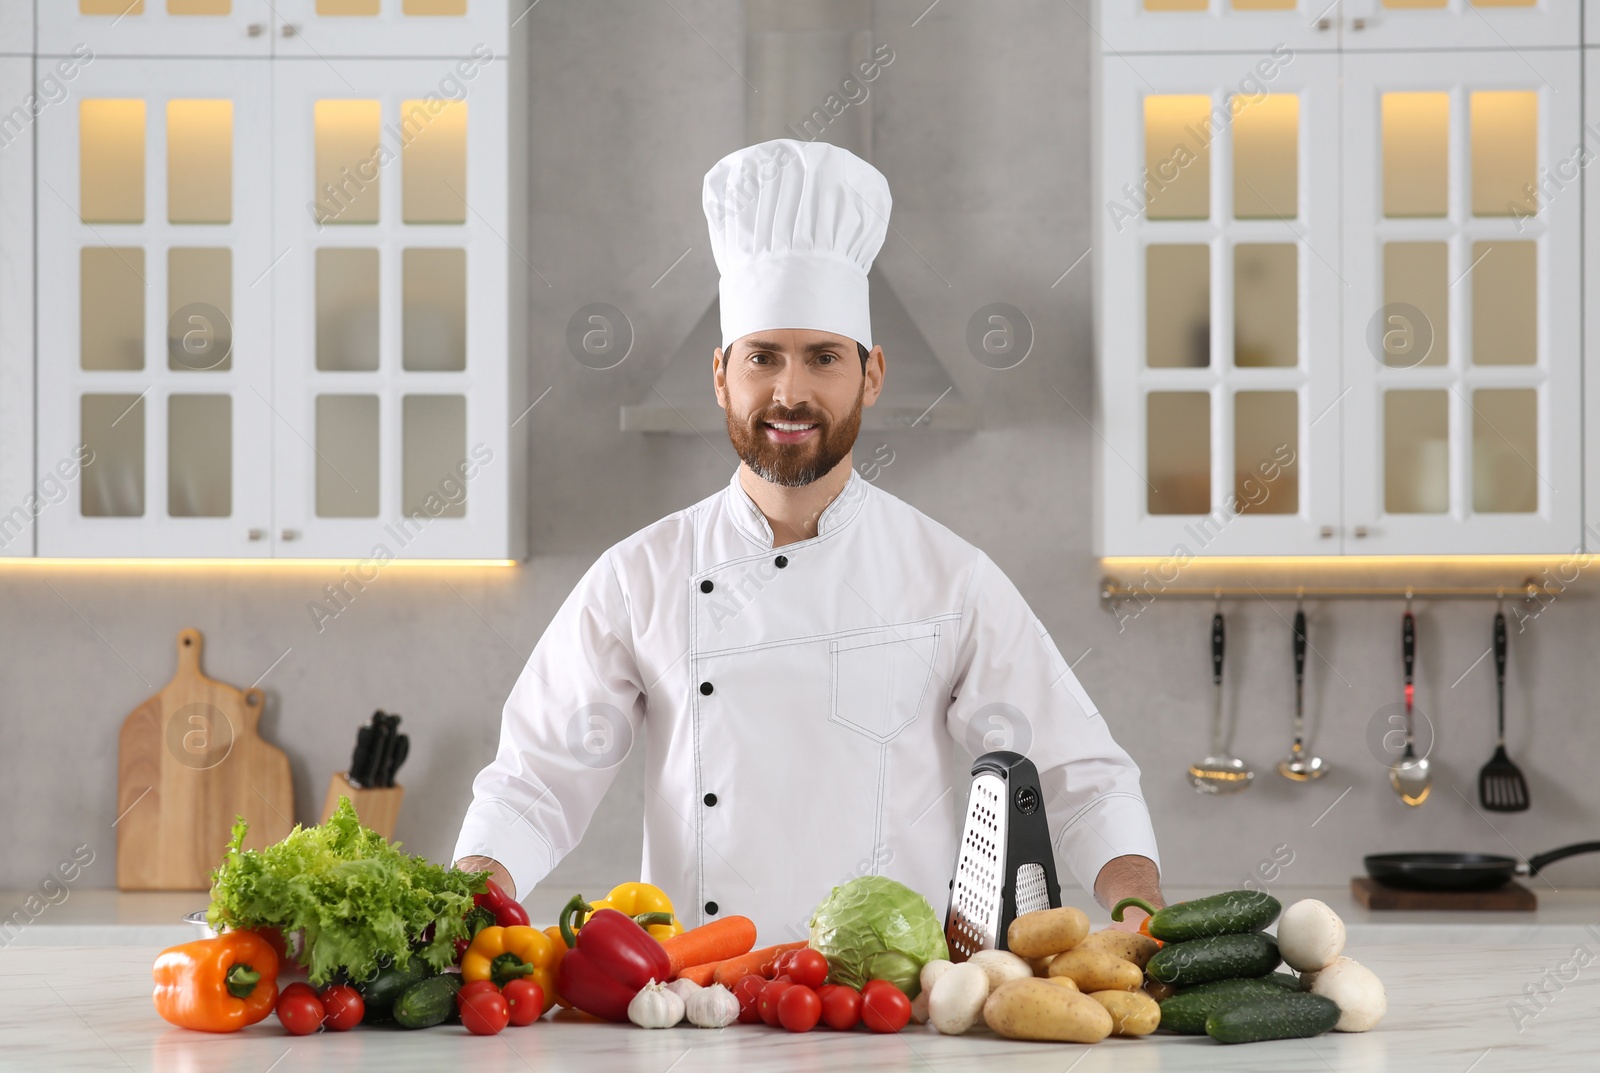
1356, 990
1310, 935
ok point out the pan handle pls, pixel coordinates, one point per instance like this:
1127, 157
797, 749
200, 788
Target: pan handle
1538, 862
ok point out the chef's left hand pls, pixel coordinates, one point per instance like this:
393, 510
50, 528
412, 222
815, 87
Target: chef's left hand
1129, 876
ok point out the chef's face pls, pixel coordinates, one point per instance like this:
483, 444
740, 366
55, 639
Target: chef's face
793, 397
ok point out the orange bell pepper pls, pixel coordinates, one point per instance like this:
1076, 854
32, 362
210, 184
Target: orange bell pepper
559, 945
217, 985
502, 954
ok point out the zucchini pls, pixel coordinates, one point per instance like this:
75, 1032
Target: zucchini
428, 1002
380, 992
1217, 958
1186, 1012
1274, 1017
1228, 913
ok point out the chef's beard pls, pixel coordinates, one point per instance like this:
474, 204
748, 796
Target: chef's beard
794, 465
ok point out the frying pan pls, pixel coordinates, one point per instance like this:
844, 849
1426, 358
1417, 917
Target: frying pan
1461, 871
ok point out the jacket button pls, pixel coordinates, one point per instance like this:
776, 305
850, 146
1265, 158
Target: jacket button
781, 561
705, 689
710, 799
711, 908
706, 586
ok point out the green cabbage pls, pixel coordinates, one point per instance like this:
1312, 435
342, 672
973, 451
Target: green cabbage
874, 928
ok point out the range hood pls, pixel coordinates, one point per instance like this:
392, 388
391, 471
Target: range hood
801, 54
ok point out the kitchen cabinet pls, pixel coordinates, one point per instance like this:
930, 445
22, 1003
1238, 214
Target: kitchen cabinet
18, 504
156, 27
450, 29
1338, 252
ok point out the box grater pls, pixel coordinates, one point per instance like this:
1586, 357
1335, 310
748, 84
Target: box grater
1004, 865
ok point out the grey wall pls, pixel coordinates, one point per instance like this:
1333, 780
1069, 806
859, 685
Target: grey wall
982, 127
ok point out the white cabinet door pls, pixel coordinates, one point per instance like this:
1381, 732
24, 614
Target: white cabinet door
19, 505
448, 29
392, 312
1461, 314
153, 203
1591, 302
1262, 26
187, 28
1451, 24
16, 32
1217, 295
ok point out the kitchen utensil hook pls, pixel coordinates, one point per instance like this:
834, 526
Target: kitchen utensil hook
1408, 599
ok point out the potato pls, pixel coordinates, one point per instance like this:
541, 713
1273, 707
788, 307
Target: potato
1159, 990
1000, 966
1046, 931
957, 999
1133, 1013
1040, 966
1096, 970
1039, 1009
1127, 945
1065, 981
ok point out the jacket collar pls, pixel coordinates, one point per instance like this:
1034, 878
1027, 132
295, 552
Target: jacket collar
839, 513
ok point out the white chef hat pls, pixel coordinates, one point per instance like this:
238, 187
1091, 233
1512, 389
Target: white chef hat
794, 228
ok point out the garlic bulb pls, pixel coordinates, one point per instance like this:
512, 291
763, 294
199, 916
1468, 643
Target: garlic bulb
713, 1007
655, 1007
683, 989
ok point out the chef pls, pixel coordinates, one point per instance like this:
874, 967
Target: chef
809, 663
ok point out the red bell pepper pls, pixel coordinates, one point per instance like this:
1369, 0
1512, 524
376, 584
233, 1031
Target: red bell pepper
610, 958
506, 909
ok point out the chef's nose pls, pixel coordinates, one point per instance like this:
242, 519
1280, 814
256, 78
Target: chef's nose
790, 389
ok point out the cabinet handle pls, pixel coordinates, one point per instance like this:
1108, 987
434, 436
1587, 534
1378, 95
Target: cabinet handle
1358, 24
254, 29
1326, 532
1324, 25
291, 534
258, 534
290, 29
1361, 531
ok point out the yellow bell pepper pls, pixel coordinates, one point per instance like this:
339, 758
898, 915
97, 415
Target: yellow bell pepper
502, 954
632, 899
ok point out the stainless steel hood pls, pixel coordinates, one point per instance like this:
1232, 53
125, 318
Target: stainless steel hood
805, 60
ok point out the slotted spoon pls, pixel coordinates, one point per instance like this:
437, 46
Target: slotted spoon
1501, 787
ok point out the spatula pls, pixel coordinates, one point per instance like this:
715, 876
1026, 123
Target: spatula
1501, 787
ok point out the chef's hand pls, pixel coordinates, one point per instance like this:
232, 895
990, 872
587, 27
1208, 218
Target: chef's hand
496, 870
1130, 876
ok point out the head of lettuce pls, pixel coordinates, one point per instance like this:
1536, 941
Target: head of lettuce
873, 928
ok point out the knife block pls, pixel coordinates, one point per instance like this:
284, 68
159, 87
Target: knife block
377, 807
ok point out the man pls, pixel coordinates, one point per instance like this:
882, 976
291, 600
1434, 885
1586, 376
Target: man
811, 662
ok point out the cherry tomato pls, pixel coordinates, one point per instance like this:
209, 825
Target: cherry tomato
344, 1007
300, 1012
748, 991
299, 987
872, 985
799, 1009
885, 1009
472, 988
485, 1012
526, 1000
841, 1006
768, 1003
808, 967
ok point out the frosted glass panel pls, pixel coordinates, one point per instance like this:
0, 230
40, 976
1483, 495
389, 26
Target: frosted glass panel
199, 7
199, 456
1505, 152
1416, 296
111, 7
1416, 151
1416, 452
1266, 323
347, 309
1178, 447
1177, 154
434, 7
1266, 433
347, 456
111, 161
347, 174
1505, 303
111, 307
1266, 170
347, 7
199, 309
199, 162
1174, 5
1400, 4
434, 161
435, 433
1263, 5
112, 428
1505, 451
1177, 306
435, 310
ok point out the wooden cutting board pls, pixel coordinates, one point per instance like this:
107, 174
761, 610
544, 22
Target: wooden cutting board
1513, 896
190, 759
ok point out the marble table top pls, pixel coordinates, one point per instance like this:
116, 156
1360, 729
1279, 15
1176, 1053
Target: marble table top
1453, 1007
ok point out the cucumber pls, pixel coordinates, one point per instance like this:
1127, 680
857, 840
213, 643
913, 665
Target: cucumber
429, 1002
1275, 1017
1282, 981
1228, 913
1186, 1012
1220, 957
380, 992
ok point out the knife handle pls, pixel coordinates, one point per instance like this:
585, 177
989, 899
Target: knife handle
1299, 647
1408, 644
1216, 648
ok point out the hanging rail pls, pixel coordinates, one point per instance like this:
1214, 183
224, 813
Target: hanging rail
1113, 592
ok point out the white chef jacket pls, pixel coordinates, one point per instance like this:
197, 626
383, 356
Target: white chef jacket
809, 713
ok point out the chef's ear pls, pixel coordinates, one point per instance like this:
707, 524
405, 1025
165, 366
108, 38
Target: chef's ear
719, 378
874, 372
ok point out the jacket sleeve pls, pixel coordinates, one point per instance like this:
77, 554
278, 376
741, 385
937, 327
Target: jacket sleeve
570, 720
1012, 690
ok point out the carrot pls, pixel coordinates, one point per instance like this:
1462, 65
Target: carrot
761, 961
717, 941
700, 974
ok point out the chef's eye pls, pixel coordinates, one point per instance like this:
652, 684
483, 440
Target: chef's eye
826, 358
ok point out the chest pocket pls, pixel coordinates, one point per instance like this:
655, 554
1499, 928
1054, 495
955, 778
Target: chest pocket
881, 678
